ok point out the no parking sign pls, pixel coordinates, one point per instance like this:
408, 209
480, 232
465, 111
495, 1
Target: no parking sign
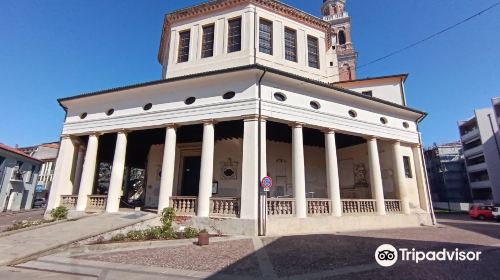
267, 183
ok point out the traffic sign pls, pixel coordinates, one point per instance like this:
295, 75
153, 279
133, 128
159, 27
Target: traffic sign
266, 184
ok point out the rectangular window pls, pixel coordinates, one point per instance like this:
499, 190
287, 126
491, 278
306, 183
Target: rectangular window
290, 44
313, 51
407, 165
266, 36
184, 40
234, 35
207, 45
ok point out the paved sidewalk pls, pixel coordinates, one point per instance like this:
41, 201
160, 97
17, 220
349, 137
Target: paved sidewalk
29, 243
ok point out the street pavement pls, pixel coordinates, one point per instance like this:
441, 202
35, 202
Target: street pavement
320, 256
25, 244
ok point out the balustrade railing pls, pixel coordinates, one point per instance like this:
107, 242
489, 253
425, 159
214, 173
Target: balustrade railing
184, 205
225, 206
359, 206
97, 202
319, 207
392, 205
280, 206
69, 201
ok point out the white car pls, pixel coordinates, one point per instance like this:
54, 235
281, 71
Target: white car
496, 213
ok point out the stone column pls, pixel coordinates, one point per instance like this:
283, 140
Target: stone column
167, 169
116, 182
399, 177
298, 171
420, 175
61, 183
376, 175
206, 170
88, 172
332, 172
79, 168
263, 147
250, 171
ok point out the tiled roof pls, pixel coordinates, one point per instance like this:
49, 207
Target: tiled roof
16, 151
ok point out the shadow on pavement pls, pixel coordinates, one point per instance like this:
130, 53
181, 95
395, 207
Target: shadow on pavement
321, 256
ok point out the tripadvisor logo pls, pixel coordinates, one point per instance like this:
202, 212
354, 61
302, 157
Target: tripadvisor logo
387, 255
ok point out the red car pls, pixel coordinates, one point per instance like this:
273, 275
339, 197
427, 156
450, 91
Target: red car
481, 212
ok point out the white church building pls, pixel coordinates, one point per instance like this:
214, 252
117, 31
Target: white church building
250, 88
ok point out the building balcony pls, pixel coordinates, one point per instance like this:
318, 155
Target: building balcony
470, 135
473, 151
335, 16
477, 167
480, 184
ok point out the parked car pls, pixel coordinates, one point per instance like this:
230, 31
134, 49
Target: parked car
496, 213
481, 212
39, 203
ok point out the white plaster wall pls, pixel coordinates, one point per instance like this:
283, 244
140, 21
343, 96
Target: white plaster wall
348, 159
390, 92
222, 59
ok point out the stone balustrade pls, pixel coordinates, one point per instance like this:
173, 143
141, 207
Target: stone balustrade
184, 205
352, 206
392, 205
319, 207
225, 206
97, 202
69, 201
280, 206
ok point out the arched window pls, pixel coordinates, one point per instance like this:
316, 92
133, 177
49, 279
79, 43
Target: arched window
346, 73
342, 40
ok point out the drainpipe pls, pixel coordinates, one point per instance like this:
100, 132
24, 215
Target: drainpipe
262, 207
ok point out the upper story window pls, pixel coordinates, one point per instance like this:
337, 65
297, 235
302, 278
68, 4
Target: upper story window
266, 36
207, 45
234, 35
184, 40
342, 39
313, 51
290, 44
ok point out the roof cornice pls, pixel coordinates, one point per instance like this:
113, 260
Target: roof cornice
218, 5
243, 68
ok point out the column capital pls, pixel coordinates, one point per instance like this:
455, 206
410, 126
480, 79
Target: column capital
95, 133
296, 124
65, 136
249, 118
123, 131
329, 131
417, 146
209, 122
396, 142
371, 138
171, 125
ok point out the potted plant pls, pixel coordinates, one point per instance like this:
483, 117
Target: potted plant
203, 237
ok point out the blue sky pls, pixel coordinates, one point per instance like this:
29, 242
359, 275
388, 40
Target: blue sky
57, 48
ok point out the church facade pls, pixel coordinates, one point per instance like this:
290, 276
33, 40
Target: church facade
250, 88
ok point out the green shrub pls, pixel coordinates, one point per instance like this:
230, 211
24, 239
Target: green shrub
135, 235
59, 213
167, 217
119, 237
153, 233
168, 233
190, 232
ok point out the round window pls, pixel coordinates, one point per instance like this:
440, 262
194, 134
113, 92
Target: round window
147, 107
383, 120
229, 95
280, 96
110, 112
315, 105
406, 125
83, 115
190, 100
353, 114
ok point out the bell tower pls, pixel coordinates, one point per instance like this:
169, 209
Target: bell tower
335, 12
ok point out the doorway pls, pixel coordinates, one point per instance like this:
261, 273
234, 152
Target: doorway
191, 176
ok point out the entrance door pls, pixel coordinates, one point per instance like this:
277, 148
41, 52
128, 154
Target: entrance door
191, 176
24, 199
